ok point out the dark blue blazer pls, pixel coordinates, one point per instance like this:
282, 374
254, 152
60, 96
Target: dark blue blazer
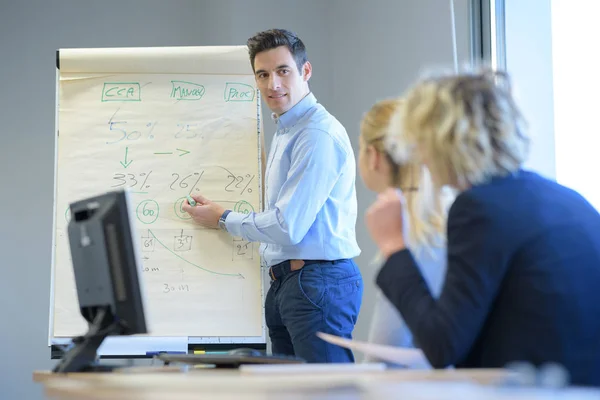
522, 283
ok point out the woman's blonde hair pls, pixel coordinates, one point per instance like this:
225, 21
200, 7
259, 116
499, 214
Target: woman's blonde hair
467, 126
424, 203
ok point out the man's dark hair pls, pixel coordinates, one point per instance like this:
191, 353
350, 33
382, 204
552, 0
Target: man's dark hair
273, 38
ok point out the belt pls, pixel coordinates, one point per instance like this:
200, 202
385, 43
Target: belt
280, 270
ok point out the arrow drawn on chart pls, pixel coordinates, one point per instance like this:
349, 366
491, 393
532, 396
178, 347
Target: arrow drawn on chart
191, 263
166, 153
126, 164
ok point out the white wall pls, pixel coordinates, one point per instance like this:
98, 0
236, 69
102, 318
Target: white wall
361, 52
379, 48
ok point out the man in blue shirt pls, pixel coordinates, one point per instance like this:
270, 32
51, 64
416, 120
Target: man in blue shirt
307, 231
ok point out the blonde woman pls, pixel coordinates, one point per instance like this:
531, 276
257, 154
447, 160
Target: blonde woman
425, 213
523, 261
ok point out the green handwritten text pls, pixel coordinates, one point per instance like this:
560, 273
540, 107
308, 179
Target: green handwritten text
187, 90
238, 92
121, 91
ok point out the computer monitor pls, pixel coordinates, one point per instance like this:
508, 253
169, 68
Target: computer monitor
107, 270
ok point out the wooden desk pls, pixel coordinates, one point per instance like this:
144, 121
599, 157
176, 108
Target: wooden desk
233, 384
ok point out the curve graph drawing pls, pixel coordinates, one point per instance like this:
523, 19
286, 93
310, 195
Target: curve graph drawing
191, 263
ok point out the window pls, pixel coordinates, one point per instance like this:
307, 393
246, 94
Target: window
576, 84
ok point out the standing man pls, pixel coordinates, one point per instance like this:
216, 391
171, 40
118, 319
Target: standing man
307, 231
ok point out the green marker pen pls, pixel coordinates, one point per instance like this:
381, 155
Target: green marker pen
191, 201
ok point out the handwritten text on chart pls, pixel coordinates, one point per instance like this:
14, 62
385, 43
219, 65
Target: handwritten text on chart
148, 211
174, 251
242, 249
183, 242
188, 181
187, 90
175, 288
178, 183
120, 129
121, 91
180, 90
238, 92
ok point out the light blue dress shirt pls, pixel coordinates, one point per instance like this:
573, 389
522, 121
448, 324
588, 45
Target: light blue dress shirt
310, 192
387, 325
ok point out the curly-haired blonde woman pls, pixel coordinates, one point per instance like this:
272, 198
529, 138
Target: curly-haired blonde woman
425, 210
523, 252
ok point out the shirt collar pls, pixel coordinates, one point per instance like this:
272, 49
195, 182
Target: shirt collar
293, 115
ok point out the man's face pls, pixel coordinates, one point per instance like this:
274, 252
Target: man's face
278, 79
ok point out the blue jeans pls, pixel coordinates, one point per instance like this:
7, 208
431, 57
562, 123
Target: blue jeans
324, 297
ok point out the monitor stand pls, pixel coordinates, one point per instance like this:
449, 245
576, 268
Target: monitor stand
82, 356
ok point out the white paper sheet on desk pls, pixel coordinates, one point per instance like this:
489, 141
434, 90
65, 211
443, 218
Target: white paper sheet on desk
410, 358
140, 345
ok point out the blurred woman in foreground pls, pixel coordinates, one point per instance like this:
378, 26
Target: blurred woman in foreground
424, 215
523, 252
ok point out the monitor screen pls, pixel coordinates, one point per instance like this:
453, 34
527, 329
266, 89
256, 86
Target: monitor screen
107, 270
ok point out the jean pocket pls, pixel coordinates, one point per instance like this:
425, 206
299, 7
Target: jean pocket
312, 285
345, 287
